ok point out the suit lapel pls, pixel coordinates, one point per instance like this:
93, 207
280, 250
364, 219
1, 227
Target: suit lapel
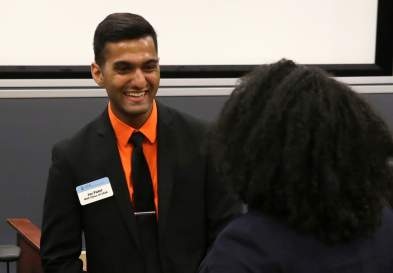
111, 163
166, 157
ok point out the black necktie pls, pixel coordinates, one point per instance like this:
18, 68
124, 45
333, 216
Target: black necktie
144, 205
140, 176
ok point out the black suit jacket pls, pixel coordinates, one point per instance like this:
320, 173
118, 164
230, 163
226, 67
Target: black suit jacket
255, 243
193, 205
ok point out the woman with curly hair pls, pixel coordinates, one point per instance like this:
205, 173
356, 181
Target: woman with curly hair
310, 159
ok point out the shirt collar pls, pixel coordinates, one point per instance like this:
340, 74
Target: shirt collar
123, 131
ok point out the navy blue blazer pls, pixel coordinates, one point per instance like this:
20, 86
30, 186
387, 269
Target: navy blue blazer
253, 243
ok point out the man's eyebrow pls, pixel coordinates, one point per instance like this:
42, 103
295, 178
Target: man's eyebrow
152, 61
122, 64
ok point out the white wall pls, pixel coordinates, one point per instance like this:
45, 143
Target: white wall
199, 32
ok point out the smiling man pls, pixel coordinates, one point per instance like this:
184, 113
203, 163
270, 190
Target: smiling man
131, 75
137, 181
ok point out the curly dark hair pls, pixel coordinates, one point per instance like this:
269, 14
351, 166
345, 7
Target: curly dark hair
306, 150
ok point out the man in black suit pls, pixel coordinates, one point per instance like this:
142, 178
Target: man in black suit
93, 186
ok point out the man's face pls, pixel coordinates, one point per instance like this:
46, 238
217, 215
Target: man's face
131, 76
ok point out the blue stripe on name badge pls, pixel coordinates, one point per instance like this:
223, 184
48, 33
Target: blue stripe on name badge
92, 184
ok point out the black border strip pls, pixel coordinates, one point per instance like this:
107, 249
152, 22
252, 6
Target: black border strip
383, 61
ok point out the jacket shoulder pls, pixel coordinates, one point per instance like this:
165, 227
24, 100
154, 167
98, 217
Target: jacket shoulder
82, 137
180, 120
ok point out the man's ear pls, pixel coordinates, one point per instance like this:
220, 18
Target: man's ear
96, 73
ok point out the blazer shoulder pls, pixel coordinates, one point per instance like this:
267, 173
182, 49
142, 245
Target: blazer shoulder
83, 136
180, 120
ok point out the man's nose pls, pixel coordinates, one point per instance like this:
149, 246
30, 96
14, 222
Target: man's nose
138, 79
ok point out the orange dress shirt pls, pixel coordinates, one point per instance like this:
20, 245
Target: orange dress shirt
123, 133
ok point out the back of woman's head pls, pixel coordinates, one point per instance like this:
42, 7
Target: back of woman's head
306, 150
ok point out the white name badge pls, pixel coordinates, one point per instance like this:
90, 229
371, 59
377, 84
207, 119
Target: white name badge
94, 191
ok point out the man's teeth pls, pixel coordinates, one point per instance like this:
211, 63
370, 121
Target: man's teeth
135, 94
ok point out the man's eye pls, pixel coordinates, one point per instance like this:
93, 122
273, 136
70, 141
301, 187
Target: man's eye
123, 69
150, 67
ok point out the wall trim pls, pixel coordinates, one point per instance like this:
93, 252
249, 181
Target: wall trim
86, 88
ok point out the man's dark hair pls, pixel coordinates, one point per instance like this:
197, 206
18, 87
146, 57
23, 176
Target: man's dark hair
306, 150
118, 27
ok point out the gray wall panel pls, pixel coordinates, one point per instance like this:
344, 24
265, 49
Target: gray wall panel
30, 127
382, 105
